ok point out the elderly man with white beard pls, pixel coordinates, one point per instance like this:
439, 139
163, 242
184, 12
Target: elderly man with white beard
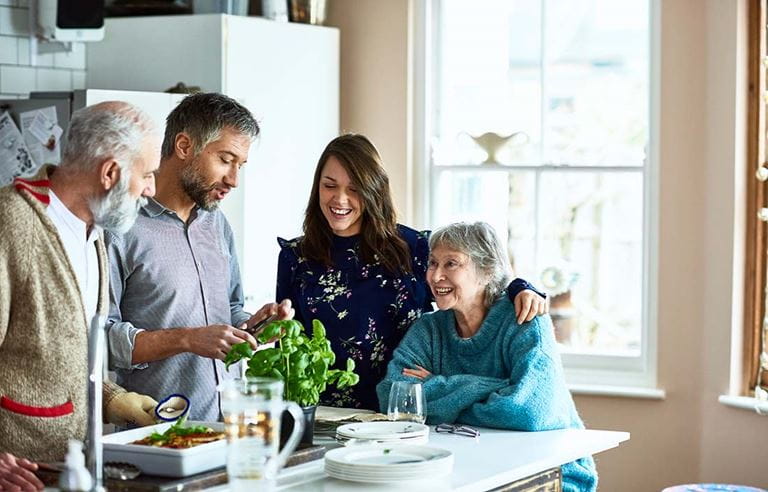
54, 279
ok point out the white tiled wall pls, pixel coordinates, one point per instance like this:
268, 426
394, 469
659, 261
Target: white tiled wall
60, 71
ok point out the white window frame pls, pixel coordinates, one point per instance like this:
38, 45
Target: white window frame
591, 374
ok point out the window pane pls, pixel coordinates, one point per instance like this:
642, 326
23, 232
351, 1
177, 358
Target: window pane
579, 239
567, 81
590, 258
581, 99
596, 54
489, 80
469, 196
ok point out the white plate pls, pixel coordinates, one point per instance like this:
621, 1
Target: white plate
406, 440
382, 430
386, 477
380, 464
408, 474
166, 462
357, 470
393, 457
383, 479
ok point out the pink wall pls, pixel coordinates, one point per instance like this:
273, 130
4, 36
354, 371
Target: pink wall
689, 436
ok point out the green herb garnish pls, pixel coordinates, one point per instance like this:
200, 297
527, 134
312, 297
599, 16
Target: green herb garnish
177, 429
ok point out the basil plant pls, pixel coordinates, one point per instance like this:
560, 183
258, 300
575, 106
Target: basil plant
301, 362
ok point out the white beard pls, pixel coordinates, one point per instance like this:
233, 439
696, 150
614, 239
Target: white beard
117, 210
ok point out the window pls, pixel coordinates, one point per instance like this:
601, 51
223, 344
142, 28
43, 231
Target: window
539, 123
755, 381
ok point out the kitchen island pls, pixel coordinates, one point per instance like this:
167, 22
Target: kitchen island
496, 458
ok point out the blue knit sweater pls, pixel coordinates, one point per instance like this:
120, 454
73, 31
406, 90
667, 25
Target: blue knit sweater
507, 376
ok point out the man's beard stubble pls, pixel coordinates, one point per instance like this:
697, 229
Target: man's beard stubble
193, 184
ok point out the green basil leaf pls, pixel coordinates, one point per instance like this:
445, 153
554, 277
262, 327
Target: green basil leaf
318, 330
301, 362
237, 353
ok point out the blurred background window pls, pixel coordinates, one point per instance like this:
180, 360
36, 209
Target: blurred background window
540, 126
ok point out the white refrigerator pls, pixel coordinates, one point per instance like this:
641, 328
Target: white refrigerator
286, 73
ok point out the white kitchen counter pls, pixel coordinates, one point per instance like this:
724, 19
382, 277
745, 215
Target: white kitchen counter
495, 458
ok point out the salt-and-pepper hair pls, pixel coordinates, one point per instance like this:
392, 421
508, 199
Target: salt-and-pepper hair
202, 117
108, 130
479, 241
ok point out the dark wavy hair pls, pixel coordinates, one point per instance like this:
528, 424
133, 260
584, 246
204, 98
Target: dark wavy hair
380, 241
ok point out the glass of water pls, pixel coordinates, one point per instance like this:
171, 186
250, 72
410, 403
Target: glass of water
407, 403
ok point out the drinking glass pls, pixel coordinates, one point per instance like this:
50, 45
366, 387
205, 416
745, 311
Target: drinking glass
406, 402
252, 408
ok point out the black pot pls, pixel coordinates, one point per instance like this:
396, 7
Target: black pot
286, 426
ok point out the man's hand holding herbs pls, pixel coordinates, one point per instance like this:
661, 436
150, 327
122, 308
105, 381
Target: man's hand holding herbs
214, 341
268, 313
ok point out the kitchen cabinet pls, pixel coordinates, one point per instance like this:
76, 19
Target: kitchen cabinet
287, 74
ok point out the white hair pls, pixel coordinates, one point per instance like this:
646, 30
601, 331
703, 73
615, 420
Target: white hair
108, 130
478, 241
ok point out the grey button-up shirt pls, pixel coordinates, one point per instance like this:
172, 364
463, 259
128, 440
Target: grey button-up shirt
169, 274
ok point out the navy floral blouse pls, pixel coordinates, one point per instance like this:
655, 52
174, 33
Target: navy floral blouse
365, 309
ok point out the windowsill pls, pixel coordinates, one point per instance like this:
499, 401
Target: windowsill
618, 391
744, 403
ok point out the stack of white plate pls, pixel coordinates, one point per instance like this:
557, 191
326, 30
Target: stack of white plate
385, 463
384, 432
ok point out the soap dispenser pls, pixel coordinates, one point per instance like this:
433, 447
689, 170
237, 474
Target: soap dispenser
75, 476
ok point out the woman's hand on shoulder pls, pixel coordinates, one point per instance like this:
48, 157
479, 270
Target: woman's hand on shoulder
528, 305
419, 372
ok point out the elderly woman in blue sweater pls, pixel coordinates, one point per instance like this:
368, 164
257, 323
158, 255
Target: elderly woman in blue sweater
478, 365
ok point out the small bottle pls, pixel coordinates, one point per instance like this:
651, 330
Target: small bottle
75, 476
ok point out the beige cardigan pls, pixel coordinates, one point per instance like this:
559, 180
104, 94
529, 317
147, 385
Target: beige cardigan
43, 330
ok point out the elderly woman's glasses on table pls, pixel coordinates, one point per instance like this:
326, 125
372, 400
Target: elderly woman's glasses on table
462, 430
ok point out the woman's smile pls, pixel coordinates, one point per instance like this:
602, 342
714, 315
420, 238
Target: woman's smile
339, 200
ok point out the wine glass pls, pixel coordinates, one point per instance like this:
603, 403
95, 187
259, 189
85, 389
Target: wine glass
407, 403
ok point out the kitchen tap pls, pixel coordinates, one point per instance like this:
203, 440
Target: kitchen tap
97, 349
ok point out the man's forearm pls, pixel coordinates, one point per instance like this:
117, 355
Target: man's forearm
150, 346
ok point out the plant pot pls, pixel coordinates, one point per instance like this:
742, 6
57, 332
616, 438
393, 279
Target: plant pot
286, 426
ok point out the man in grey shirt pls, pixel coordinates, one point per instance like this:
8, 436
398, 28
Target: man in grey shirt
175, 292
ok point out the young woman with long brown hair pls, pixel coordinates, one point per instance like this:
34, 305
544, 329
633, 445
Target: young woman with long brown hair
358, 271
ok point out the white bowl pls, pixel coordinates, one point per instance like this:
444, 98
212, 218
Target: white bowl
166, 462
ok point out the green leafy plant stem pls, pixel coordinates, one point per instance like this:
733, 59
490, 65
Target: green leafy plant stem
301, 362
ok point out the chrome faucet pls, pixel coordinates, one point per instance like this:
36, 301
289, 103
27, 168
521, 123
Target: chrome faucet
97, 349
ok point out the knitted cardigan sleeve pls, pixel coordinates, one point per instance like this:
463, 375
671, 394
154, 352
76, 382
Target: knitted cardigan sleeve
15, 256
109, 392
6, 286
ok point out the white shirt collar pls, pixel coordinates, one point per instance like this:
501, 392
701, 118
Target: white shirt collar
72, 221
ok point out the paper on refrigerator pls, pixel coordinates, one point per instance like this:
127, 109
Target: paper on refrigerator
42, 134
15, 159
